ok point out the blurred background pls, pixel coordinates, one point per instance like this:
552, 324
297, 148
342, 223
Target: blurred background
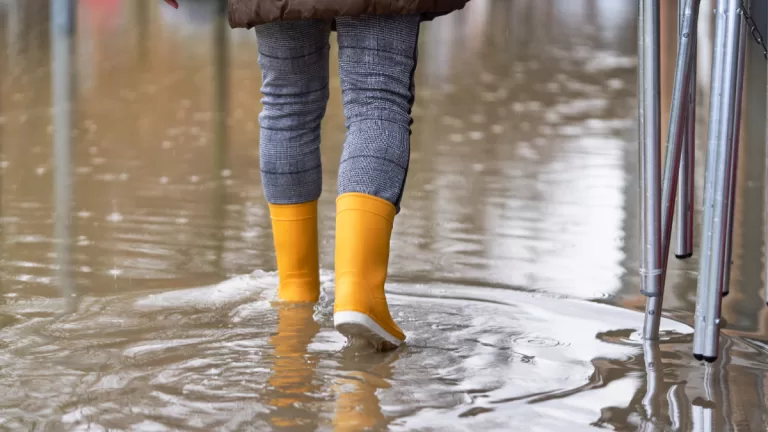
136, 262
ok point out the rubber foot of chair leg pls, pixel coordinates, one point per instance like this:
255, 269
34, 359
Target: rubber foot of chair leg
710, 359
685, 256
698, 357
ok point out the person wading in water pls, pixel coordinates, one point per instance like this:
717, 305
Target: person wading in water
377, 59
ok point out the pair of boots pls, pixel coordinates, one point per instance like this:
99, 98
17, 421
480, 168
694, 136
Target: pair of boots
363, 230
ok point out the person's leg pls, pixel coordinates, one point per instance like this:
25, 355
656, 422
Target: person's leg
294, 62
377, 61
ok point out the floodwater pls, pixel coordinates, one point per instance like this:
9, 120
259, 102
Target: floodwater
137, 276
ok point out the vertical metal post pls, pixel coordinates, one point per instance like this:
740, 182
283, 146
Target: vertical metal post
221, 83
709, 180
62, 86
650, 147
221, 69
734, 166
685, 197
143, 36
722, 114
675, 138
760, 9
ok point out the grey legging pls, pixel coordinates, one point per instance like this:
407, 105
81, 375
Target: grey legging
377, 60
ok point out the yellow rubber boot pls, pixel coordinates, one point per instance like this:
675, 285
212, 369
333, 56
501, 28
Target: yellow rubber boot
363, 230
294, 229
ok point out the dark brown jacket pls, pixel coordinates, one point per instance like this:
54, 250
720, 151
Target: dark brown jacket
249, 13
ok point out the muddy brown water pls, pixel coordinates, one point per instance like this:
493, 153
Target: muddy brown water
137, 274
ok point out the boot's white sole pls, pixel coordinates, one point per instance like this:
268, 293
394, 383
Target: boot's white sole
356, 324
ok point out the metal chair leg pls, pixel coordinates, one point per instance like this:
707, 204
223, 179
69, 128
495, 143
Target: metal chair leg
724, 71
675, 139
766, 209
733, 168
687, 161
709, 184
650, 148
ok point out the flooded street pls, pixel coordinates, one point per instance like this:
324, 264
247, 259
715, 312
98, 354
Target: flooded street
137, 276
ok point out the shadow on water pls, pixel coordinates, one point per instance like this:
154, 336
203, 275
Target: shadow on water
136, 263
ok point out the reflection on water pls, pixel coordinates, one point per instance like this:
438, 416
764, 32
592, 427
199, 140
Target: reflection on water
137, 275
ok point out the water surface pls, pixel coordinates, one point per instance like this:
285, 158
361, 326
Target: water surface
137, 277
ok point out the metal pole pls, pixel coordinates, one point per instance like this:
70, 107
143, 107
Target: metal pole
727, 34
677, 133
62, 88
650, 124
221, 84
687, 160
709, 181
765, 232
734, 166
221, 69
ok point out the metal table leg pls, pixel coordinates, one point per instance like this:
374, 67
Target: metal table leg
650, 147
675, 139
734, 165
686, 189
722, 114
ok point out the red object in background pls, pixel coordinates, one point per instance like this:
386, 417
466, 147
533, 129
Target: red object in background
101, 12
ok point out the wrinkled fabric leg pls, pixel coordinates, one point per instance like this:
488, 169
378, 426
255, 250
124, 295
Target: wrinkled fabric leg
294, 62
